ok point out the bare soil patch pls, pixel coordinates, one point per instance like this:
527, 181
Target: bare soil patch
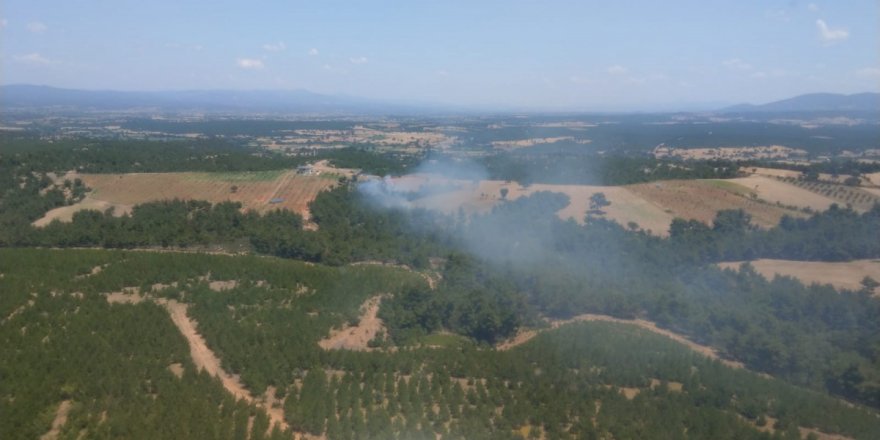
129, 295
841, 275
176, 369
65, 213
357, 337
59, 421
220, 286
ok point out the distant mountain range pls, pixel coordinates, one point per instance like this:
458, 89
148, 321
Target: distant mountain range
302, 101
815, 102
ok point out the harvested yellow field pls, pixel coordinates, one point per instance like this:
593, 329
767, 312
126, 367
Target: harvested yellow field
65, 213
776, 191
258, 191
481, 195
873, 178
846, 275
652, 206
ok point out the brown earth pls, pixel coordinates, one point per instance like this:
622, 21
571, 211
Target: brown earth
357, 337
59, 421
841, 275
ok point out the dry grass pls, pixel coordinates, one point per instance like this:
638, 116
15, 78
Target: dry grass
773, 190
702, 199
846, 275
254, 190
481, 195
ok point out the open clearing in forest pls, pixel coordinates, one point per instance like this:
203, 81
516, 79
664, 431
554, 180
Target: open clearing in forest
845, 275
357, 337
259, 191
59, 421
526, 335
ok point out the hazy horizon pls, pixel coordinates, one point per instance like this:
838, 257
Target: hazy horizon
564, 56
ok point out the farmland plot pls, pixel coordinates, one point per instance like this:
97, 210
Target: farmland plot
258, 191
702, 199
842, 275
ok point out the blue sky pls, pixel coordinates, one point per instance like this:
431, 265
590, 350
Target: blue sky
609, 55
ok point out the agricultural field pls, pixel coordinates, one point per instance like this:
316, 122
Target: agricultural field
844, 275
774, 190
481, 195
702, 199
860, 199
259, 191
651, 206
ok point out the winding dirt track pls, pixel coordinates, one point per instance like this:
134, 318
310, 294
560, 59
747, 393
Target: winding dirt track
709, 352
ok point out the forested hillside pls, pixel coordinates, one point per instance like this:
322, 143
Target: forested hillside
589, 380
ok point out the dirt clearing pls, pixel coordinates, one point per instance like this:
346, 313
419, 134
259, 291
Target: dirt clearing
59, 421
357, 337
845, 275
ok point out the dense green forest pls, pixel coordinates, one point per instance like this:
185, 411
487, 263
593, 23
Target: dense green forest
566, 383
498, 273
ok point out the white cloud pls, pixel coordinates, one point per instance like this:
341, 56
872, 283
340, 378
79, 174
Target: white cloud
33, 59
275, 47
617, 69
3, 23
813, 7
736, 63
869, 72
358, 60
442, 72
313, 52
37, 27
829, 35
250, 63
